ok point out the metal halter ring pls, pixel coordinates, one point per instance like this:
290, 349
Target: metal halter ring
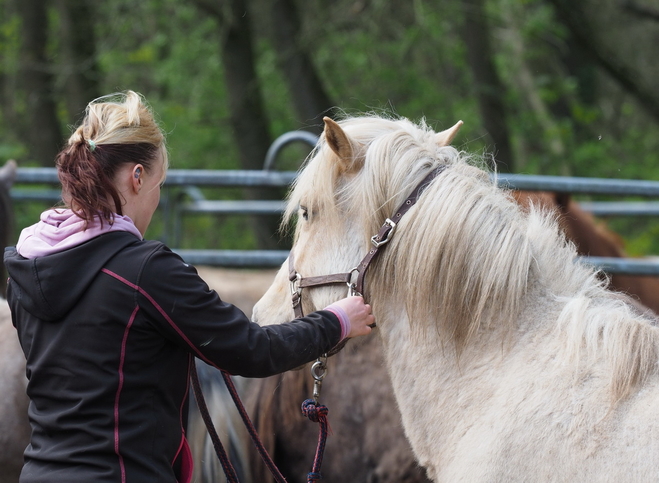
319, 369
352, 286
295, 285
296, 290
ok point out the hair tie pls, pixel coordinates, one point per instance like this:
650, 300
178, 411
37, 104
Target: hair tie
92, 145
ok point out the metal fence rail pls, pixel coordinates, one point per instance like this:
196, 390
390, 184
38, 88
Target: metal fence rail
592, 186
626, 266
234, 258
182, 177
189, 180
238, 178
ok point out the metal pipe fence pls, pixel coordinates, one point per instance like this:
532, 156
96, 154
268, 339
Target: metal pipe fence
182, 197
273, 258
246, 178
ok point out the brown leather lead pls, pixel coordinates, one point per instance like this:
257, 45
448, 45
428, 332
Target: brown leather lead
386, 230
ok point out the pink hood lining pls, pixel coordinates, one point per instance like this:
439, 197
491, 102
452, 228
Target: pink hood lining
59, 230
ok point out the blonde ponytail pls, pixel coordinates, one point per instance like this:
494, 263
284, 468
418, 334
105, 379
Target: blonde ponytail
117, 129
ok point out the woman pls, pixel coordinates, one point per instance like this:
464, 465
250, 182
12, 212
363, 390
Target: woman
110, 323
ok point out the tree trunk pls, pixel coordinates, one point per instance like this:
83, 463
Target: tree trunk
573, 17
526, 84
310, 100
489, 88
247, 113
44, 135
81, 73
11, 123
248, 117
641, 11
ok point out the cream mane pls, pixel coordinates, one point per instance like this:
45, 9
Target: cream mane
464, 258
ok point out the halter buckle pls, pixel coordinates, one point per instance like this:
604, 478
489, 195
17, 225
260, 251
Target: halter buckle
387, 234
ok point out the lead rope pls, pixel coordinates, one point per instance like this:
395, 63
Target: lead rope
228, 468
318, 414
219, 449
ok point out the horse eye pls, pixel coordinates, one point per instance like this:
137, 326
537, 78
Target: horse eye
305, 213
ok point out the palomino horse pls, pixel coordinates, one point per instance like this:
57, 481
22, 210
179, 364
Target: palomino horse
509, 361
368, 443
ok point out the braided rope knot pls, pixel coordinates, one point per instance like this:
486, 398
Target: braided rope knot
318, 414
311, 477
313, 411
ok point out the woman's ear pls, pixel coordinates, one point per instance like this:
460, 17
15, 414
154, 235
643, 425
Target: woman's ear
136, 177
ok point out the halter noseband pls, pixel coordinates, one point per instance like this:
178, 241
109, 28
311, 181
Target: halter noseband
379, 240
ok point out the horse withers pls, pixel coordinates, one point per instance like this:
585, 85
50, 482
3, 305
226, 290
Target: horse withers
509, 360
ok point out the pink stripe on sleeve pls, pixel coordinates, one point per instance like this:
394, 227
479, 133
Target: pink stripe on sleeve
343, 319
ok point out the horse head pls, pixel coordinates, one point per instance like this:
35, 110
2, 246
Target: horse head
360, 171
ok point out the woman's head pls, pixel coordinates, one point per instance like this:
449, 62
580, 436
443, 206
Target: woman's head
117, 134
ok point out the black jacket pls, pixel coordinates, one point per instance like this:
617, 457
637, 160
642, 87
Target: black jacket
109, 329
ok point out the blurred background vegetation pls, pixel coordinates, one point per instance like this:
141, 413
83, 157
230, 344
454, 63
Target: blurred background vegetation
564, 87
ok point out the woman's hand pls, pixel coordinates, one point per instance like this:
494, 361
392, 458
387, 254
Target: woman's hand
359, 314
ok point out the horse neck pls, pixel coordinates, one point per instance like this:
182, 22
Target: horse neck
440, 392
402, 337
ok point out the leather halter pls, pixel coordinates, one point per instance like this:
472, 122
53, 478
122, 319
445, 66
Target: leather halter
379, 240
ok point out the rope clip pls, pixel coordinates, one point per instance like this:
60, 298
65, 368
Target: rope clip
318, 372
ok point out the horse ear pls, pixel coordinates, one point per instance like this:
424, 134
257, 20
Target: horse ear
339, 142
444, 138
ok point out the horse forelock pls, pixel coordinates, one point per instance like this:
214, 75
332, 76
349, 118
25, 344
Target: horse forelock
322, 187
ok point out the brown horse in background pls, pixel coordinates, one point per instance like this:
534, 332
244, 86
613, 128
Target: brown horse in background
593, 238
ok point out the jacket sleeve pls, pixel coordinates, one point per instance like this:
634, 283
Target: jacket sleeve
187, 312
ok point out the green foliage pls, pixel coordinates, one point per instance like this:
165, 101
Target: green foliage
565, 115
10, 147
